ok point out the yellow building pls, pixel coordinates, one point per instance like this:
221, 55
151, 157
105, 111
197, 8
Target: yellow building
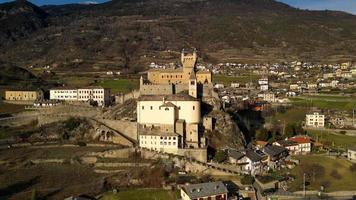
180, 75
23, 95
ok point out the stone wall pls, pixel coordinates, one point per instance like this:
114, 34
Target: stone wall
150, 89
129, 129
121, 98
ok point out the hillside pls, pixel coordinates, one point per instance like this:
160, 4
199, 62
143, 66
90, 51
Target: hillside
131, 33
19, 19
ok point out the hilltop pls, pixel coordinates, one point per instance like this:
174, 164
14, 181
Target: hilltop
131, 33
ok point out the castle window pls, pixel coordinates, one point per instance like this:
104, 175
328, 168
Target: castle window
192, 82
143, 107
166, 109
151, 108
193, 107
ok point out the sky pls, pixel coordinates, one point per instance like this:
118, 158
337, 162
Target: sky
341, 5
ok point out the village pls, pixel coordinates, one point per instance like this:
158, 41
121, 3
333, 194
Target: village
281, 113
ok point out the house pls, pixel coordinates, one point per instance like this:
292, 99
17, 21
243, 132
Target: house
304, 144
274, 152
253, 161
260, 144
291, 146
315, 120
235, 85
219, 86
351, 153
268, 96
204, 191
235, 156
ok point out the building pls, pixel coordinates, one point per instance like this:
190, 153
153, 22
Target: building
180, 75
292, 147
204, 191
351, 153
268, 96
315, 120
23, 95
91, 94
304, 144
170, 115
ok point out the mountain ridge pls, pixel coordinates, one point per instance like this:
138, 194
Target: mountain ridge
123, 32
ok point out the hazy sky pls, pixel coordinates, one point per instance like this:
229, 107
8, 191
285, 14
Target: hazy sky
343, 5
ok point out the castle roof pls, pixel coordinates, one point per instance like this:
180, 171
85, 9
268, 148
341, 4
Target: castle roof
172, 97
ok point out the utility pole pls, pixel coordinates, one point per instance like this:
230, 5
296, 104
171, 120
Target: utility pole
304, 186
353, 117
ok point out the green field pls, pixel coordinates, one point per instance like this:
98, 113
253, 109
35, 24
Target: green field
138, 194
328, 138
227, 80
326, 102
120, 85
344, 182
293, 115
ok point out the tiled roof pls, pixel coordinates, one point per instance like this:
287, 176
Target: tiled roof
273, 150
200, 190
301, 139
253, 156
286, 143
235, 154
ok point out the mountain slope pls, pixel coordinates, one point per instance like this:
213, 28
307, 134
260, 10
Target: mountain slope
131, 33
19, 19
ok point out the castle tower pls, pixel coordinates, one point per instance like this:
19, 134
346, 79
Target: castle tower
193, 87
188, 61
141, 81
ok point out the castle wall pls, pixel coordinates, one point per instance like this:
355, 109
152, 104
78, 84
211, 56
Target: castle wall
149, 89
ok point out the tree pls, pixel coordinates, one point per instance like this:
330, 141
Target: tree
220, 156
263, 134
247, 180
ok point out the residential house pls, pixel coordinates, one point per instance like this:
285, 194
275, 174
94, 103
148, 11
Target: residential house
204, 191
291, 146
315, 120
275, 154
351, 153
304, 144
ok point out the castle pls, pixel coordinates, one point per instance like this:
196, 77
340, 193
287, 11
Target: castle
169, 108
180, 75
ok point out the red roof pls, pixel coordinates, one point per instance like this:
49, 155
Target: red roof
300, 139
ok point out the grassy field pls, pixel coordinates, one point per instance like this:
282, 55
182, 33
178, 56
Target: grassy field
120, 85
293, 115
138, 194
328, 138
227, 80
344, 182
7, 108
326, 102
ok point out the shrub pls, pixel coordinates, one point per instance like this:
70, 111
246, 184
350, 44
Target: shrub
72, 123
353, 168
81, 144
335, 174
247, 180
343, 132
220, 156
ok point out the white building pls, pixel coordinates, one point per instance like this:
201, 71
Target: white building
315, 120
351, 153
96, 94
176, 115
160, 141
269, 97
